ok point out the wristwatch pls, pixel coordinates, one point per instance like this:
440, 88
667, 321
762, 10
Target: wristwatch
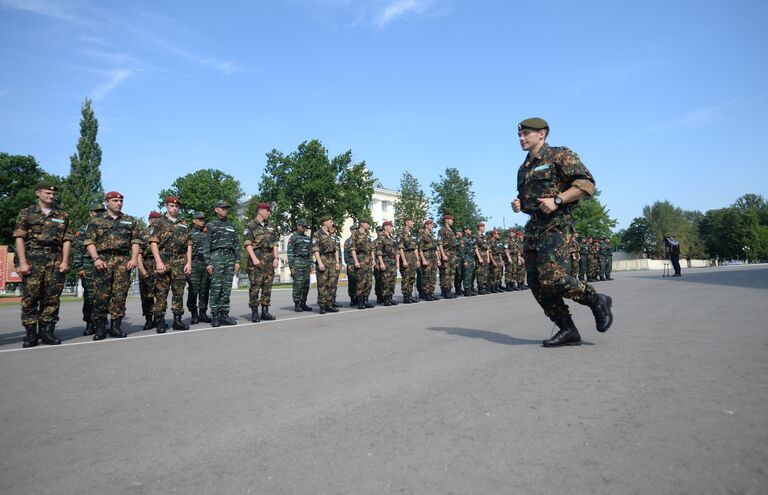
558, 200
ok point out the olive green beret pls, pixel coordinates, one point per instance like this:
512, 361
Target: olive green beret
45, 185
96, 207
325, 218
222, 204
365, 220
198, 215
302, 221
534, 123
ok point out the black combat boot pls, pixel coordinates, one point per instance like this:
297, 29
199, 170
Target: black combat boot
379, 299
255, 315
215, 319
387, 301
45, 332
178, 324
115, 329
160, 324
335, 304
304, 306
353, 301
601, 308
226, 319
331, 309
89, 328
266, 316
322, 310
297, 308
202, 316
567, 335
392, 302
407, 299
31, 339
361, 304
195, 318
149, 324
100, 332
414, 299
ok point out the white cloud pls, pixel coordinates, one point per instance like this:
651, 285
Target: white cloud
400, 8
46, 8
118, 77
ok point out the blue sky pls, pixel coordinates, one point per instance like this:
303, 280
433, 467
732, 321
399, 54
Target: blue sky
662, 100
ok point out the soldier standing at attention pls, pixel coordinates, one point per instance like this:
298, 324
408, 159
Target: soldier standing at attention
593, 273
549, 182
83, 266
350, 267
386, 254
408, 248
199, 278
521, 263
468, 257
583, 259
482, 250
458, 272
113, 241
361, 252
43, 239
300, 263
509, 263
446, 246
260, 243
608, 258
377, 285
337, 240
575, 255
146, 267
225, 255
430, 260
172, 250
497, 260
327, 263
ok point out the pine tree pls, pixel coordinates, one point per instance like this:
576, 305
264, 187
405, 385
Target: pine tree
83, 185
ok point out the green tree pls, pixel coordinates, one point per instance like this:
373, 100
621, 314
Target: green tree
201, 189
307, 184
726, 231
664, 219
83, 184
413, 203
591, 218
638, 238
453, 195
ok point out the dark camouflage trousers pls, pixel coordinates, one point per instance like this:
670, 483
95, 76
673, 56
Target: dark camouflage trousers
388, 277
575, 259
110, 287
377, 285
429, 273
408, 273
351, 281
223, 262
173, 280
509, 272
363, 277
593, 268
458, 275
448, 271
41, 289
199, 286
87, 281
521, 272
326, 281
469, 275
261, 277
497, 270
300, 275
147, 287
548, 262
482, 272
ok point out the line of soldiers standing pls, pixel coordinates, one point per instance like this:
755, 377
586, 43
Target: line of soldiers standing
593, 257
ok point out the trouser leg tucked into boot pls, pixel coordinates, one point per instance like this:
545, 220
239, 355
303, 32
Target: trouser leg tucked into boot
160, 324
149, 324
265, 313
115, 329
226, 319
195, 318
567, 335
45, 332
255, 315
31, 339
204, 318
601, 309
178, 324
215, 319
100, 332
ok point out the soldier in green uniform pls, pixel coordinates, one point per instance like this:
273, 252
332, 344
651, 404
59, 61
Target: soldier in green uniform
225, 253
496, 247
300, 264
593, 267
408, 248
327, 263
349, 267
430, 260
608, 258
147, 275
549, 182
113, 241
43, 238
482, 251
83, 266
362, 255
199, 279
583, 258
468, 261
521, 263
386, 255
446, 247
377, 284
261, 241
337, 240
575, 254
509, 263
172, 250
458, 273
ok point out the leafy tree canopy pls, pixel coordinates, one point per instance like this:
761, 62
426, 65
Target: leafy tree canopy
452, 194
413, 203
201, 189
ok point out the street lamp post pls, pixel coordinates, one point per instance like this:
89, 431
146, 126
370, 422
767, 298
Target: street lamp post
746, 254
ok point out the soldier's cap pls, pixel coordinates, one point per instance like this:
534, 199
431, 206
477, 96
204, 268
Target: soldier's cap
325, 218
534, 123
428, 221
388, 222
264, 206
96, 207
302, 221
379, 229
481, 224
447, 217
172, 200
467, 227
354, 226
46, 185
511, 229
154, 214
221, 204
113, 195
198, 215
495, 232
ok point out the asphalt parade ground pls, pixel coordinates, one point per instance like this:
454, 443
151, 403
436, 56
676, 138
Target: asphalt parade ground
446, 397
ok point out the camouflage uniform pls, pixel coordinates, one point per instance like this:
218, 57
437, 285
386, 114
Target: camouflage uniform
575, 256
608, 259
447, 239
509, 264
81, 262
172, 239
147, 285
583, 259
337, 240
483, 269
263, 237
408, 244
300, 263
324, 244
468, 261
44, 239
428, 250
225, 253
113, 239
362, 246
350, 269
387, 250
199, 278
497, 268
593, 267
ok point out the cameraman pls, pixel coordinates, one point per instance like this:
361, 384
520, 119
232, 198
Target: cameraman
673, 249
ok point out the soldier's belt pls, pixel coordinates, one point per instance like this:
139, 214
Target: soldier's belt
45, 249
198, 257
172, 253
114, 252
231, 250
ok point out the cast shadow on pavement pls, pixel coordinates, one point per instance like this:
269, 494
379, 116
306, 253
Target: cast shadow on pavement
496, 338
